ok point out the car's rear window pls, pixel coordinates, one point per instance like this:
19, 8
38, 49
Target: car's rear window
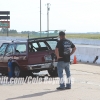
52, 44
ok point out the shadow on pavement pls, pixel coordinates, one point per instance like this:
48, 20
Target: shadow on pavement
32, 95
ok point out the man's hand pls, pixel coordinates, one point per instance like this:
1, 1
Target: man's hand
58, 58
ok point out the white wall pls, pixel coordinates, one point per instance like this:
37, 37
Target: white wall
87, 50
86, 41
86, 53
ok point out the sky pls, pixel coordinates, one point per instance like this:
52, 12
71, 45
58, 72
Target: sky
70, 15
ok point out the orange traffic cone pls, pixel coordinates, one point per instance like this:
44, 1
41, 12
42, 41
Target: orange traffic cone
75, 60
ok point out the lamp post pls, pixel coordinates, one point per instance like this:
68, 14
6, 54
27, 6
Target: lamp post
48, 9
40, 18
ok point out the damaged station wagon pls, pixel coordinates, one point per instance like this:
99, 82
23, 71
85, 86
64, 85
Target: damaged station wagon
29, 56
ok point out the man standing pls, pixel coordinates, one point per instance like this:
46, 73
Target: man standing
63, 52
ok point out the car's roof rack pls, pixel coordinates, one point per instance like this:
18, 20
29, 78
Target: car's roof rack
18, 40
32, 39
43, 38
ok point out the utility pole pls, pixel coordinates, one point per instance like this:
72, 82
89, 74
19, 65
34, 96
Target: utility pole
48, 9
40, 18
7, 28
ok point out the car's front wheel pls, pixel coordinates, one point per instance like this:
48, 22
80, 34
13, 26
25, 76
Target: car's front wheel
17, 71
53, 72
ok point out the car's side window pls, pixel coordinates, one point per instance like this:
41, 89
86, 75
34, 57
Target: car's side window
10, 50
2, 49
35, 45
20, 48
52, 44
42, 44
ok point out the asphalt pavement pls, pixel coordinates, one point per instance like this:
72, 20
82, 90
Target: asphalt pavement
85, 86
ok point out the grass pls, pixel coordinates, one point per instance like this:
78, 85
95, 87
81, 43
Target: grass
88, 36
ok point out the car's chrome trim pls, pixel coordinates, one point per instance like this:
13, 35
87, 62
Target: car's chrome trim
41, 66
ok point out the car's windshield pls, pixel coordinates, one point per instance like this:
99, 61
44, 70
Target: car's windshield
2, 49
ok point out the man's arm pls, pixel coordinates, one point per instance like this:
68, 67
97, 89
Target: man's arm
73, 50
57, 53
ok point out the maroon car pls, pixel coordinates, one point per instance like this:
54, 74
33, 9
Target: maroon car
31, 55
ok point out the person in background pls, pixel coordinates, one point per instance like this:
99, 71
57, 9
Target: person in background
64, 49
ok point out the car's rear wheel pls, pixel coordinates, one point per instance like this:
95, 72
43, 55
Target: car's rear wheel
53, 72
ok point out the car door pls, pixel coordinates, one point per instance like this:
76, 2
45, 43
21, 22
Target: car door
2, 52
21, 54
8, 54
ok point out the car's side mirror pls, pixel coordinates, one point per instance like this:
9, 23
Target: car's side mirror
17, 52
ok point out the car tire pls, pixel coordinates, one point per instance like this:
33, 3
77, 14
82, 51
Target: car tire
17, 71
53, 72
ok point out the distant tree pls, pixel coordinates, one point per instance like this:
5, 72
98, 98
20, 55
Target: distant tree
12, 31
4, 30
28, 32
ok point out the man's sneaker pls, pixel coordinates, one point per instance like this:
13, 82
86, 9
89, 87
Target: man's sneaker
59, 88
68, 87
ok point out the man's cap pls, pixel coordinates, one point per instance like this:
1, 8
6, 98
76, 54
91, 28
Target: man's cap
61, 33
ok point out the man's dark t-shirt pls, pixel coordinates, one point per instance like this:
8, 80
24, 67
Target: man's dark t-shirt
64, 46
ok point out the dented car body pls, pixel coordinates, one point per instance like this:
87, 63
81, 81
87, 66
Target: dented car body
27, 56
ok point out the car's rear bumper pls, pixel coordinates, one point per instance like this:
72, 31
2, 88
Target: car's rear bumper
41, 66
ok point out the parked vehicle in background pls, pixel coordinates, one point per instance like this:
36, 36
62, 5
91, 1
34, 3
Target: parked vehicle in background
29, 56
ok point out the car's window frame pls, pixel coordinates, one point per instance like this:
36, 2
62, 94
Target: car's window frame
39, 46
31, 43
20, 44
45, 41
33, 46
